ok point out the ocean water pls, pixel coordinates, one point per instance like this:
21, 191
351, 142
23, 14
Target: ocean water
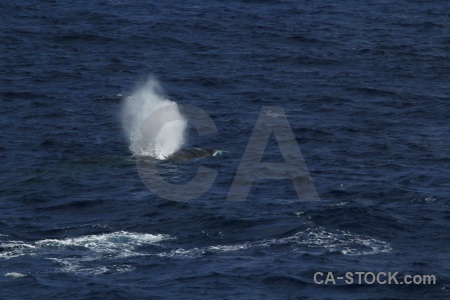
365, 86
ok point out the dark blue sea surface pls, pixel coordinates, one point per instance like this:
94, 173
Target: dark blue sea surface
365, 86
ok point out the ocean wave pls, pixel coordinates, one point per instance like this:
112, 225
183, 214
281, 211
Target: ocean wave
315, 240
101, 253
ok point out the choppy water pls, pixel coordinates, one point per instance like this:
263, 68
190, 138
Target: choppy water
365, 87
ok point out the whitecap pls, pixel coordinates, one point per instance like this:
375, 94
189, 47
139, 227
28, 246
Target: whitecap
95, 253
14, 275
11, 249
120, 243
336, 241
314, 240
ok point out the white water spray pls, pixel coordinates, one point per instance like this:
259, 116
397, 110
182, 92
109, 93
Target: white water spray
160, 135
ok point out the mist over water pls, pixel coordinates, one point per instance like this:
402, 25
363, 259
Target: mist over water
153, 124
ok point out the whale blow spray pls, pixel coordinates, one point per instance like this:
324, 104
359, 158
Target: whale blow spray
152, 123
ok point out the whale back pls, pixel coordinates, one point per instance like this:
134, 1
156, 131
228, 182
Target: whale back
188, 154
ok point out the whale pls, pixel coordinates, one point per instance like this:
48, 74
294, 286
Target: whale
193, 153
